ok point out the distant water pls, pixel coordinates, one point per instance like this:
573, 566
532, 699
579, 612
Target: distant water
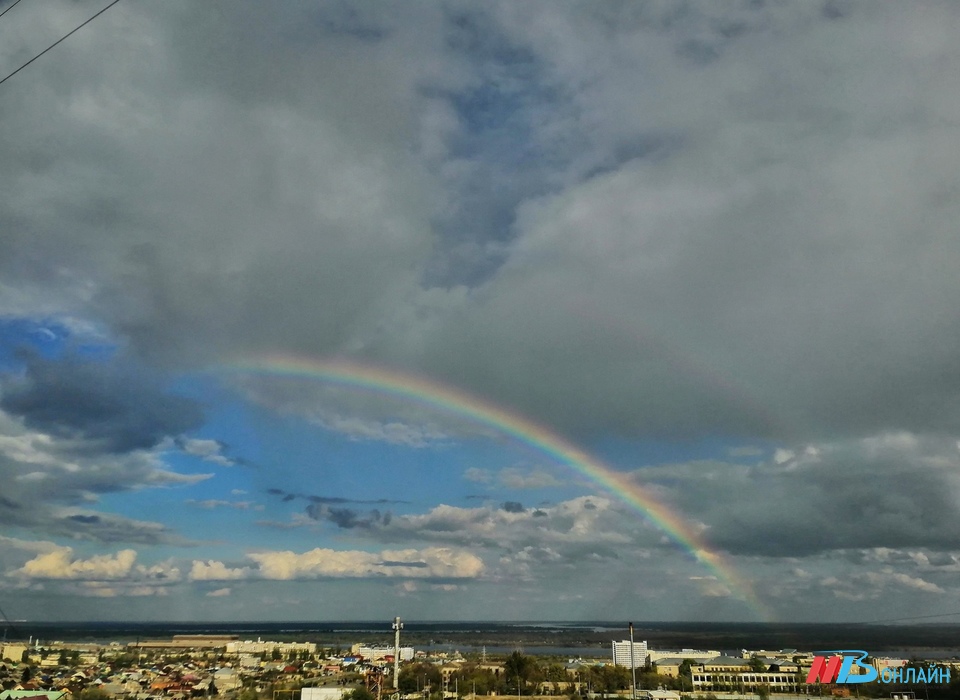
538, 650
588, 639
242, 628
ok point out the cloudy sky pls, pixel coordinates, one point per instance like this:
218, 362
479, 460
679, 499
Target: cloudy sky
713, 245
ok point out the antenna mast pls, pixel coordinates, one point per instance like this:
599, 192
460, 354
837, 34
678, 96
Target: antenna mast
397, 626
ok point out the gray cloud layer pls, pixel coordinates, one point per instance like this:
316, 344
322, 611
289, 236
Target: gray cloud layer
104, 406
892, 491
671, 219
703, 220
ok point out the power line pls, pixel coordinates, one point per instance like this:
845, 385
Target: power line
12, 5
915, 617
57, 41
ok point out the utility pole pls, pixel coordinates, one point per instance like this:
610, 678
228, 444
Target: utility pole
633, 664
397, 626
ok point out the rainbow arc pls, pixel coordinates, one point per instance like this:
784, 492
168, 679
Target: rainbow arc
423, 391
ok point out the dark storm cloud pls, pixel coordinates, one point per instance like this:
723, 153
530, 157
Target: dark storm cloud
339, 499
85, 519
62, 477
633, 219
136, 247
847, 506
46, 516
345, 518
349, 518
661, 297
942, 559
895, 491
7, 503
113, 407
512, 507
329, 500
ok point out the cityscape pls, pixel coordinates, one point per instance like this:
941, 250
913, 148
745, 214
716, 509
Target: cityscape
227, 666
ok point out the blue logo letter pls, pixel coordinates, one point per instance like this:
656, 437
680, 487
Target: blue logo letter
866, 675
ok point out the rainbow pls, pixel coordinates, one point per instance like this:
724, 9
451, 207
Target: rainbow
351, 374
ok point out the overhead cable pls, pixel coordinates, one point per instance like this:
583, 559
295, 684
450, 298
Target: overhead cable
57, 41
12, 5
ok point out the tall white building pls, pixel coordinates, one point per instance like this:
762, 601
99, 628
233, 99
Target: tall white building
621, 653
376, 653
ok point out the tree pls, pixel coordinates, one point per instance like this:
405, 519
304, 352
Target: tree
685, 674
556, 672
763, 692
471, 676
359, 694
757, 665
608, 679
417, 676
519, 666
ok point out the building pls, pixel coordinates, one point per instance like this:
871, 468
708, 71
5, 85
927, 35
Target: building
669, 667
186, 641
746, 681
782, 654
622, 656
882, 662
14, 652
726, 673
725, 664
698, 655
262, 647
370, 653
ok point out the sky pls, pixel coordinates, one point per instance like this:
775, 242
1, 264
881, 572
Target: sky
480, 311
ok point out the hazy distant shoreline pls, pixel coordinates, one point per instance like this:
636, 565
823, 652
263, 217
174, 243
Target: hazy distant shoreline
563, 638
